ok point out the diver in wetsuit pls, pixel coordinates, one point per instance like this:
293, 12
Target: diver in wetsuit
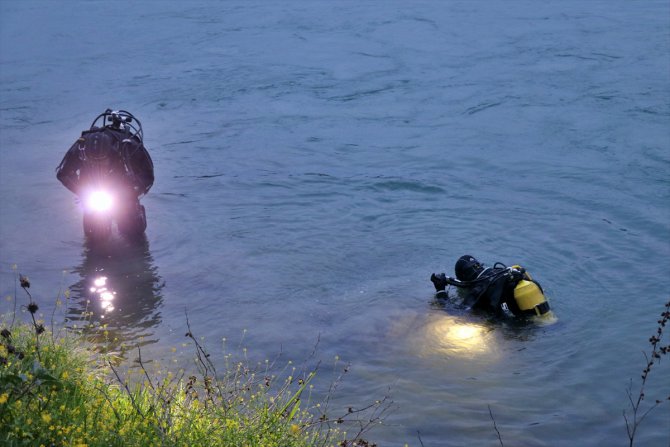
109, 164
499, 289
113, 151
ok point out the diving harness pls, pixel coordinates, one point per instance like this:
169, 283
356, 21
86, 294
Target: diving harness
528, 293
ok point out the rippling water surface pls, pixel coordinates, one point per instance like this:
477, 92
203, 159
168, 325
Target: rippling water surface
317, 161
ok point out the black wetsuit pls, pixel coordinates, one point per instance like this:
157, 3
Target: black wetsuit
492, 291
109, 153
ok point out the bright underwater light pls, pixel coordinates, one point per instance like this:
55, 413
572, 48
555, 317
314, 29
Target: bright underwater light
99, 201
458, 337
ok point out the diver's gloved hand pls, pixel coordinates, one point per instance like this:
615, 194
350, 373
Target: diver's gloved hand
439, 281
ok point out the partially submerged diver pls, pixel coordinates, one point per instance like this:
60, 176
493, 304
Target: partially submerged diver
499, 289
109, 168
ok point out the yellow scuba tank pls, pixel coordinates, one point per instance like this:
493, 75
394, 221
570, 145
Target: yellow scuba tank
529, 297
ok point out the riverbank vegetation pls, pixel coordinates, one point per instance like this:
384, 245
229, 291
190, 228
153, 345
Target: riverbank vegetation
55, 390
638, 410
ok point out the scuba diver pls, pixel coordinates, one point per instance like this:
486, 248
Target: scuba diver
503, 290
109, 168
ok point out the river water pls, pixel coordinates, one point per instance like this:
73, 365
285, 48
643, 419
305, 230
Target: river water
317, 161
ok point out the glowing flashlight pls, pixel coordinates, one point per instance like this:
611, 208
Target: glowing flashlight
99, 201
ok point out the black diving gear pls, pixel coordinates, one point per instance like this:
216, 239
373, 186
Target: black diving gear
500, 289
115, 150
467, 268
109, 168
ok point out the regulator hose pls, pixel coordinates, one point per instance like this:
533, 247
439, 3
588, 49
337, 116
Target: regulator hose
488, 274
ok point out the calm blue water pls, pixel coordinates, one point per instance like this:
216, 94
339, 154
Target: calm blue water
317, 161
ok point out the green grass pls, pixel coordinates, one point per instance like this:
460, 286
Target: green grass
55, 390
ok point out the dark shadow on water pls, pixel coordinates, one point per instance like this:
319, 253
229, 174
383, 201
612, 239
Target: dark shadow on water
118, 298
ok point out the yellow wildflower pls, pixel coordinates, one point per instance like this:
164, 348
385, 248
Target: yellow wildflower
3, 398
46, 418
295, 429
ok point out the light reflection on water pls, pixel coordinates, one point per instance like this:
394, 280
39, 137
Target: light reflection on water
120, 289
456, 337
105, 295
